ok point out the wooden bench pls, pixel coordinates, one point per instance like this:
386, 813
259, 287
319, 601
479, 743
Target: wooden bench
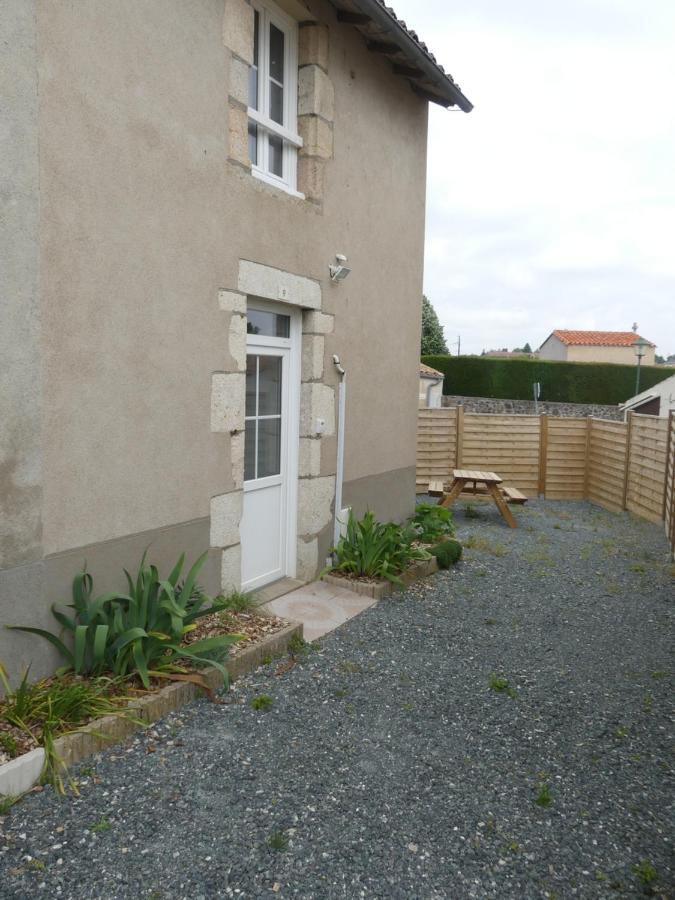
510, 494
513, 495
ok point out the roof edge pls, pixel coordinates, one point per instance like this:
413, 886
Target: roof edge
447, 88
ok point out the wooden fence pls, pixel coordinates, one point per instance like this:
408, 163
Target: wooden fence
618, 465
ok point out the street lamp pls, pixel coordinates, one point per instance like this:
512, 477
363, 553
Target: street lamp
640, 347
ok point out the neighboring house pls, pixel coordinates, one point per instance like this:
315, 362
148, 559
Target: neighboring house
181, 176
431, 386
594, 346
507, 354
658, 400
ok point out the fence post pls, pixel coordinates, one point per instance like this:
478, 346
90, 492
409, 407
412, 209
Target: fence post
670, 467
460, 436
587, 462
543, 452
629, 433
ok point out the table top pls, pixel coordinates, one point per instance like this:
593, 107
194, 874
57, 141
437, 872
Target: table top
473, 475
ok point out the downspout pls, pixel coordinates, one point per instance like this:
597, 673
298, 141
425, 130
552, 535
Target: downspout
430, 388
339, 474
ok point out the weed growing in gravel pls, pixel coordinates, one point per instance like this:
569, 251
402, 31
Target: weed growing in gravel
6, 803
639, 568
102, 825
350, 667
648, 703
621, 731
490, 622
237, 602
501, 685
299, 647
474, 542
659, 673
266, 660
544, 797
471, 512
341, 694
278, 841
261, 701
645, 871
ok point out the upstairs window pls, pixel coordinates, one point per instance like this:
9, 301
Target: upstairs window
273, 141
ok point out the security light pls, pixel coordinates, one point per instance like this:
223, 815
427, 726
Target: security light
339, 271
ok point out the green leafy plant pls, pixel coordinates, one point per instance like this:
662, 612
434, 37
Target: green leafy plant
278, 841
544, 797
375, 549
261, 701
447, 553
432, 522
101, 825
645, 871
140, 632
501, 685
236, 602
6, 803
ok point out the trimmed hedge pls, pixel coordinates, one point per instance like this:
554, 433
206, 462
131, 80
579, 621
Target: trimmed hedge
561, 382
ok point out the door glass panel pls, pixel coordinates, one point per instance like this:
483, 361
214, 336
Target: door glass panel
268, 324
249, 451
269, 447
276, 156
276, 54
269, 386
251, 374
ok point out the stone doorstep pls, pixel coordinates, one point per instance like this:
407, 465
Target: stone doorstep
21, 774
380, 589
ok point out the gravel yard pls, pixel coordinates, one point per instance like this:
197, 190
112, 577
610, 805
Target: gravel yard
405, 757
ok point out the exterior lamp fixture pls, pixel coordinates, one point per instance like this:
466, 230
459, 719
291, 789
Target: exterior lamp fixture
339, 271
640, 347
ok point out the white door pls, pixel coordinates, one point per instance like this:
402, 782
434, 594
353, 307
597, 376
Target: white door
271, 446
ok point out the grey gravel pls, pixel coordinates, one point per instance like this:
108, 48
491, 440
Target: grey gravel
387, 766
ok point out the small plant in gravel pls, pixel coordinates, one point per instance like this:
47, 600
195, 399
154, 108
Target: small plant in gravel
501, 685
645, 872
299, 647
432, 522
351, 668
447, 553
6, 803
474, 542
470, 512
101, 825
278, 841
261, 701
236, 602
544, 797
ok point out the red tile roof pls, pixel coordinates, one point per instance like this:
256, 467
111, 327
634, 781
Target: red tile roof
598, 338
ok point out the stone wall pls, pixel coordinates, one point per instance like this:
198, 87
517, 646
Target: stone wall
526, 407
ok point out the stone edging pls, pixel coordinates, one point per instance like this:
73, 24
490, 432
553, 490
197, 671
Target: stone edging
379, 589
21, 774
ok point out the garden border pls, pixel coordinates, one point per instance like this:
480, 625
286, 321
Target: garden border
21, 774
379, 589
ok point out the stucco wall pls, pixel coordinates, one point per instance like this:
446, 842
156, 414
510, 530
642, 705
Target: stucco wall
553, 348
143, 220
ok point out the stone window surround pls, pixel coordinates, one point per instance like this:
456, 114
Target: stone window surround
316, 493
316, 100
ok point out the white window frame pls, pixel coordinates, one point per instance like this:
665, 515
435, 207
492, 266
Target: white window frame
270, 14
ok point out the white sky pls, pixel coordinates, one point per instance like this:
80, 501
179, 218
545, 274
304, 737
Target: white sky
551, 204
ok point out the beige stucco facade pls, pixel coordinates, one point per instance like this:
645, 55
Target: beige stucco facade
127, 280
554, 348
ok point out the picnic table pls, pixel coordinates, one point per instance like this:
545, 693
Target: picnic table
483, 482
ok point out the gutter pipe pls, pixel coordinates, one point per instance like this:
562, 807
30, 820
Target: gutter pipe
339, 474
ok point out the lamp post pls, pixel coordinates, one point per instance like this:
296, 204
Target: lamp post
640, 348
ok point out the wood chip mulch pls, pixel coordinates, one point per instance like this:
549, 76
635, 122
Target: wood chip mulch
254, 626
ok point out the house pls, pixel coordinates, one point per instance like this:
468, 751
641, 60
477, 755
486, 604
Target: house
658, 400
186, 188
431, 386
594, 346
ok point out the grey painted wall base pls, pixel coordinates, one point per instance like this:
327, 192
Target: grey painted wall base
390, 495
27, 592
494, 406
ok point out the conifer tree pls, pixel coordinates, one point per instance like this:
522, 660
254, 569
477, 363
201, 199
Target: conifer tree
433, 340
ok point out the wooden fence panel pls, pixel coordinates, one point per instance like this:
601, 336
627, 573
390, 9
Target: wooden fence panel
436, 445
607, 454
565, 472
646, 477
507, 445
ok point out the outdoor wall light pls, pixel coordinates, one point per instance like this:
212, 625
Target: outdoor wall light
339, 271
640, 347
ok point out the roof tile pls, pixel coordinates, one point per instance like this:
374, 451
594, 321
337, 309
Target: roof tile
598, 338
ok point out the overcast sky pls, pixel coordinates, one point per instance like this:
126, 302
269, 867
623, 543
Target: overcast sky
552, 204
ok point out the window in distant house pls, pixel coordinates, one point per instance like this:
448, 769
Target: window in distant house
272, 102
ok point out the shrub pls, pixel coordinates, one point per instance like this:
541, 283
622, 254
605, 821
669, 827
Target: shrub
447, 553
376, 549
562, 382
432, 522
139, 632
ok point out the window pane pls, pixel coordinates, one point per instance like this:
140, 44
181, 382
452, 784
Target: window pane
253, 143
276, 156
276, 103
269, 386
269, 447
253, 87
256, 36
267, 323
277, 39
249, 451
251, 367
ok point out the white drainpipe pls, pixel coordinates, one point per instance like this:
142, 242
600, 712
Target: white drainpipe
342, 391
